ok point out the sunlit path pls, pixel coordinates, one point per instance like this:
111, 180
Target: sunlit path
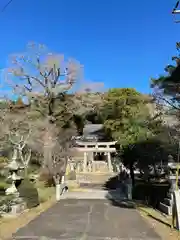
87, 219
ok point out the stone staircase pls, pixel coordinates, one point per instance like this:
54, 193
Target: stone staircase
100, 167
94, 194
93, 178
166, 205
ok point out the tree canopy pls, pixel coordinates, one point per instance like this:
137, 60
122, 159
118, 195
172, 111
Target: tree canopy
59, 104
125, 114
57, 96
167, 87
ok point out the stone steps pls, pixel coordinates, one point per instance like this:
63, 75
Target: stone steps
95, 186
165, 208
170, 195
166, 205
94, 194
94, 178
168, 201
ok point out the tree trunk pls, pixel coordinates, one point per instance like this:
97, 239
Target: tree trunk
132, 173
48, 138
48, 150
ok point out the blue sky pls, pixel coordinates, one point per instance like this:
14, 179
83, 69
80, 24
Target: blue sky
118, 43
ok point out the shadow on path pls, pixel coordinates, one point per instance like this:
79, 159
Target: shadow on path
149, 193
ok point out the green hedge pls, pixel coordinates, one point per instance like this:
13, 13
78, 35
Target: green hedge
29, 193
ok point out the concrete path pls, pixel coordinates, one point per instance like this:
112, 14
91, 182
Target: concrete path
88, 219
94, 194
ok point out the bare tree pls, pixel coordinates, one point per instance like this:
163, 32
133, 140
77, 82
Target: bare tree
43, 79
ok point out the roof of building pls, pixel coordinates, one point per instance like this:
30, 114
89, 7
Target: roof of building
92, 129
92, 132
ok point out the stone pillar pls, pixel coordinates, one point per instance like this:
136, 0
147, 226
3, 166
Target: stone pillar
85, 162
91, 159
172, 182
129, 187
109, 162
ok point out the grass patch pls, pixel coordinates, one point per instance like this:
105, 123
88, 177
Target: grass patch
155, 214
159, 222
3, 187
45, 194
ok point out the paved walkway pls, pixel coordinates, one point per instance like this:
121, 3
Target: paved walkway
88, 219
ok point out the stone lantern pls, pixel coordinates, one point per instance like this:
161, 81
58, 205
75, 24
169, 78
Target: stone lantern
14, 167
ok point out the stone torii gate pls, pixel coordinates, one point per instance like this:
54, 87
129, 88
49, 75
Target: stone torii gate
89, 148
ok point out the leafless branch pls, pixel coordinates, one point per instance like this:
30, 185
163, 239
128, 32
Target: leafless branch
45, 79
25, 158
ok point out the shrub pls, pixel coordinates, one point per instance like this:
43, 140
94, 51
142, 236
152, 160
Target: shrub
29, 193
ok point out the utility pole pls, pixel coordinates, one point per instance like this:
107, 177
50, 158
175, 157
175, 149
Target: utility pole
176, 11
